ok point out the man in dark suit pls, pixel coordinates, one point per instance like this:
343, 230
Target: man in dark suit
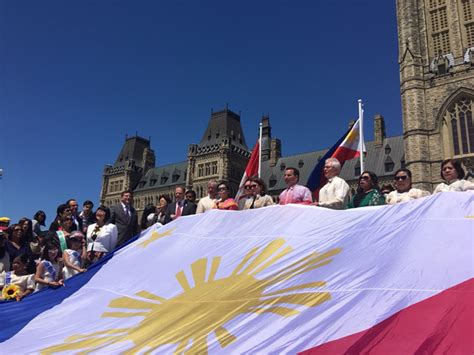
125, 218
180, 207
73, 206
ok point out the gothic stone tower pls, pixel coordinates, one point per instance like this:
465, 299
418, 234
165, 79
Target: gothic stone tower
133, 161
436, 57
222, 153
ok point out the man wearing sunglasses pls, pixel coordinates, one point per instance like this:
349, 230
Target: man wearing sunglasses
403, 190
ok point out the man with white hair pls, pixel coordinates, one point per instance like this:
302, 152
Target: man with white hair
207, 203
336, 191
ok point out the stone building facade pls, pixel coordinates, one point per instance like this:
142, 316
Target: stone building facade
222, 154
436, 57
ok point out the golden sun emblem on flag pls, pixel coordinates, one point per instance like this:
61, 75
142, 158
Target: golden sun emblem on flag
190, 317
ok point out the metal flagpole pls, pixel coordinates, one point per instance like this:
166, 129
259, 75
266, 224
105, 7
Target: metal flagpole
361, 135
260, 149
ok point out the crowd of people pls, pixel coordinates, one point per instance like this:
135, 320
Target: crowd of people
32, 258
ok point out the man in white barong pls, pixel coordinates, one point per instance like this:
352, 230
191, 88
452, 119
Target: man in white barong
335, 193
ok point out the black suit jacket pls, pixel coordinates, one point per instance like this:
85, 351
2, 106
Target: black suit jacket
188, 209
127, 228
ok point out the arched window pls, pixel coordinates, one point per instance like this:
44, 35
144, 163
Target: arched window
459, 126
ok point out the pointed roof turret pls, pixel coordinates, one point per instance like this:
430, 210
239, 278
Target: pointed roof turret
132, 149
224, 124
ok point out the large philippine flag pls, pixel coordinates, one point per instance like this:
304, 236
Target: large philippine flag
349, 148
346, 148
283, 279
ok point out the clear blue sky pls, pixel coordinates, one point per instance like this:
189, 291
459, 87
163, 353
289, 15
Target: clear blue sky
77, 76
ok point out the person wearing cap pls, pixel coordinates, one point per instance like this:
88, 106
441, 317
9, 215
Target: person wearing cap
4, 222
75, 255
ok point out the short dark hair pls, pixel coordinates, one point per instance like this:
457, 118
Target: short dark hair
23, 258
457, 166
105, 209
126, 192
405, 170
149, 209
61, 208
166, 197
225, 185
296, 172
387, 187
71, 199
180, 187
88, 202
191, 192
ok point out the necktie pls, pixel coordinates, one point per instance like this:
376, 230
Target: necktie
178, 209
127, 213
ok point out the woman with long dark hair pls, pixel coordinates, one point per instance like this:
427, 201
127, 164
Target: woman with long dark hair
259, 196
16, 243
368, 193
39, 219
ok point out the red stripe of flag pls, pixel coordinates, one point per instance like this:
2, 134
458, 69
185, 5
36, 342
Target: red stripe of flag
441, 324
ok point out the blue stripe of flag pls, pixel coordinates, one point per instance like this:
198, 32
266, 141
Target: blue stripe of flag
317, 179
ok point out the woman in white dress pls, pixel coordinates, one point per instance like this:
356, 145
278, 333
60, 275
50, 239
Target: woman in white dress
49, 269
75, 255
403, 190
453, 173
19, 277
102, 233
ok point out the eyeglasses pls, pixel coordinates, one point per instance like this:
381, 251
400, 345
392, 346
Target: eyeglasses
364, 177
401, 177
247, 187
222, 188
17, 230
253, 185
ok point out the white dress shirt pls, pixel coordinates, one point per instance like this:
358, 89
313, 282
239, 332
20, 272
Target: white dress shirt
396, 197
205, 204
334, 194
457, 185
